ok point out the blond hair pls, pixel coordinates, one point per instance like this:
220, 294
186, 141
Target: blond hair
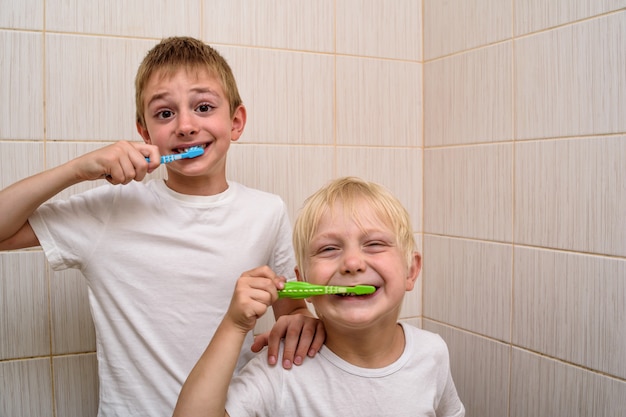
174, 53
352, 193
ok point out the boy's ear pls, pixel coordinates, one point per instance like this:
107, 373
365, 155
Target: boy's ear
299, 276
414, 270
238, 122
143, 132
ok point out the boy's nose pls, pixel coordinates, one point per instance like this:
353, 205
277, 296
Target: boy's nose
353, 261
186, 125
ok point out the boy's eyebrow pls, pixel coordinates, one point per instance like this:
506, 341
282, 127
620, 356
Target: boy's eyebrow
200, 90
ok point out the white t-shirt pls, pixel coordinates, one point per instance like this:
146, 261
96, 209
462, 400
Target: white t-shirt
418, 384
161, 269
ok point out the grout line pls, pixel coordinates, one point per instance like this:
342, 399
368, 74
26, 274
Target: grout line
335, 118
45, 162
52, 356
423, 148
513, 130
512, 346
525, 35
528, 246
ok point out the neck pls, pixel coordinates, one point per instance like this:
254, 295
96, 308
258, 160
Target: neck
371, 348
197, 185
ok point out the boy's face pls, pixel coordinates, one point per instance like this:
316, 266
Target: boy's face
189, 108
343, 252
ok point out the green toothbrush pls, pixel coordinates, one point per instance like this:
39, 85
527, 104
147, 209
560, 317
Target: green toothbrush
297, 289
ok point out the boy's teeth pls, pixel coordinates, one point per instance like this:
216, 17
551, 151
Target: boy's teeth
183, 150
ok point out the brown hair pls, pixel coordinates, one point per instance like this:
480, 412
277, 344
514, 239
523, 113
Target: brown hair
174, 53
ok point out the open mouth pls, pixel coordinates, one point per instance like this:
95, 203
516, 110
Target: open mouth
358, 294
186, 149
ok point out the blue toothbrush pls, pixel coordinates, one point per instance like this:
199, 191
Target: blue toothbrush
297, 289
191, 153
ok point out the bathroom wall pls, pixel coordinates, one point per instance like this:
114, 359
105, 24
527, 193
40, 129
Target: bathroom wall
525, 202
499, 124
332, 88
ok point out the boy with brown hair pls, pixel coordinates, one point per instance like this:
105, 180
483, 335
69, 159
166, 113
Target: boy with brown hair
349, 233
161, 257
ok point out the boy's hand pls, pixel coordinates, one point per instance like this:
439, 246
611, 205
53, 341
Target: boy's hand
304, 336
118, 163
255, 291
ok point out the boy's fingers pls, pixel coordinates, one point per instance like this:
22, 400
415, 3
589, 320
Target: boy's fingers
273, 339
311, 338
318, 340
260, 341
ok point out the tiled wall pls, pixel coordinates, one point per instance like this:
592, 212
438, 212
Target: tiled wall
525, 202
505, 137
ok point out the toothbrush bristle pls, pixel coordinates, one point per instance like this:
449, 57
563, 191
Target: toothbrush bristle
194, 152
364, 289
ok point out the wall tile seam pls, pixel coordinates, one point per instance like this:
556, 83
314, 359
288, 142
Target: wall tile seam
521, 348
52, 356
515, 245
522, 36
521, 141
217, 44
568, 363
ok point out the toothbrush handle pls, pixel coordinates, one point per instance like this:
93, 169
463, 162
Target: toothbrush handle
299, 290
167, 158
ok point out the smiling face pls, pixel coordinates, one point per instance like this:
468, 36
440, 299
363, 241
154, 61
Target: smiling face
185, 108
348, 249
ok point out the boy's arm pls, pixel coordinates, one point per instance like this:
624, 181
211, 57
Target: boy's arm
119, 163
205, 390
303, 334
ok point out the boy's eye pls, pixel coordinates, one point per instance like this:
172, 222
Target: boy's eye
376, 245
164, 114
203, 108
325, 250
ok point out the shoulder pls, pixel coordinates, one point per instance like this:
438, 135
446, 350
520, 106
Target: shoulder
254, 195
424, 340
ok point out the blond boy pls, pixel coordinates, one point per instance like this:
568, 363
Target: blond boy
351, 232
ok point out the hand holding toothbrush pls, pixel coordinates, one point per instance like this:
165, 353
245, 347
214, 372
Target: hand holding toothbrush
124, 161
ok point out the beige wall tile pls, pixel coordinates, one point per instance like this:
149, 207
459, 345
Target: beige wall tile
480, 369
25, 14
379, 102
458, 25
398, 169
572, 307
468, 97
468, 284
541, 386
468, 192
26, 388
288, 95
571, 81
372, 28
569, 194
19, 160
142, 18
21, 85
293, 172
72, 326
90, 89
288, 24
76, 385
24, 329
533, 15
